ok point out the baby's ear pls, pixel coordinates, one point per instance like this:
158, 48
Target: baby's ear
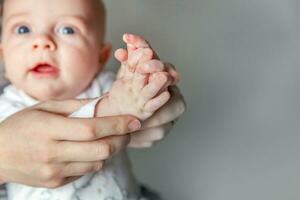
105, 53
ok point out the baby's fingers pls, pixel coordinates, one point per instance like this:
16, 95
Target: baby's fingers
134, 58
151, 66
147, 55
157, 102
135, 41
138, 57
121, 55
155, 84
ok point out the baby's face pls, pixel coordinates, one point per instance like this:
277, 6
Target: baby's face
52, 49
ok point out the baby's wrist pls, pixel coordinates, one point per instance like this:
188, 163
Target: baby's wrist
105, 108
101, 107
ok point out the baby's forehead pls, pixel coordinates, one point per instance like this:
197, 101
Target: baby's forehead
90, 9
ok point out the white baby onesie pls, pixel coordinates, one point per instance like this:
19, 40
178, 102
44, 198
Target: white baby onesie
114, 182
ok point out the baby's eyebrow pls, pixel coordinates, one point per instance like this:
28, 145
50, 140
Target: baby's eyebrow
15, 16
75, 18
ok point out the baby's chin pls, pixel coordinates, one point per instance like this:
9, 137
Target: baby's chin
44, 96
40, 94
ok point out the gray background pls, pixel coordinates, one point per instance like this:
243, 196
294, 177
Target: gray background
239, 65
238, 59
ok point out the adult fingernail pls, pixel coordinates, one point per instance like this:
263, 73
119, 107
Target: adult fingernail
134, 125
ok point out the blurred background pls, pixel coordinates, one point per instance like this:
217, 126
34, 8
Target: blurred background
239, 66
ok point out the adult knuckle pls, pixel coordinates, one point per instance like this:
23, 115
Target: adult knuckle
47, 156
89, 131
49, 173
89, 168
120, 125
95, 167
104, 150
54, 183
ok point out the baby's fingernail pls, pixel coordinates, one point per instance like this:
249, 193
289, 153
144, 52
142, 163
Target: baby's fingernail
127, 36
134, 125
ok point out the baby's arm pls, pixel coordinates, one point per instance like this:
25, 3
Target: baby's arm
134, 92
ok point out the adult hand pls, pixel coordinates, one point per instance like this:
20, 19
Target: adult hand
41, 146
156, 127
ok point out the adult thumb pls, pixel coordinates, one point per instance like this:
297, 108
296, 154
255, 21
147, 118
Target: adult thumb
63, 107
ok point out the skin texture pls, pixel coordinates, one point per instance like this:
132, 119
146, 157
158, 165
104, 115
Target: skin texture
48, 153
161, 122
40, 162
136, 93
77, 57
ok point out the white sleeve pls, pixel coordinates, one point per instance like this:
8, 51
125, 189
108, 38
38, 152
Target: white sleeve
105, 80
86, 111
9, 107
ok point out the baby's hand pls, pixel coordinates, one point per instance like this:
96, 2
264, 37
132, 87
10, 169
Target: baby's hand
136, 92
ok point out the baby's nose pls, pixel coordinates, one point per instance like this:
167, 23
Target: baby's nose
43, 42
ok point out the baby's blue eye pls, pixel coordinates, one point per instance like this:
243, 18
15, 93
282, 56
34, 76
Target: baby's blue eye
66, 30
22, 30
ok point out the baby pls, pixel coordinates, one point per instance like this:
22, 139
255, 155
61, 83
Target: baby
55, 50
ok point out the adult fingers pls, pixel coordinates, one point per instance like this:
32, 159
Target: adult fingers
81, 168
169, 112
172, 71
98, 150
65, 107
146, 138
79, 129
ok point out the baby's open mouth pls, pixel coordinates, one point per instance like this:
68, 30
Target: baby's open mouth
44, 69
